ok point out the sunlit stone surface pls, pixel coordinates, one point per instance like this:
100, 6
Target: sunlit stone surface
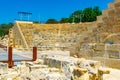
94, 47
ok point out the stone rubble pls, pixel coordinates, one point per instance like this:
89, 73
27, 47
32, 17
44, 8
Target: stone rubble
3, 68
75, 68
44, 74
57, 68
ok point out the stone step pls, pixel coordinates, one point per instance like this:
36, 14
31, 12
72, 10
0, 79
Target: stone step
117, 0
111, 5
104, 12
111, 12
117, 3
99, 19
99, 24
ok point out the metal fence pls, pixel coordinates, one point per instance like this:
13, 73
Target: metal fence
11, 55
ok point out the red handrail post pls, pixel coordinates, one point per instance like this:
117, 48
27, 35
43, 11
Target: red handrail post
10, 60
34, 53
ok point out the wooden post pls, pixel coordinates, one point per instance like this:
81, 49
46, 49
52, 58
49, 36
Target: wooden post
10, 61
34, 53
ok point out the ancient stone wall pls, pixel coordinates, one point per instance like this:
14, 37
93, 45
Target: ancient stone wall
106, 31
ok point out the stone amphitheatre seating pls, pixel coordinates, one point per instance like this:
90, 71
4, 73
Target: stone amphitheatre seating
48, 36
68, 36
106, 31
71, 37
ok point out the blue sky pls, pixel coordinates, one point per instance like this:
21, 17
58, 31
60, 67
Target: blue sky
45, 9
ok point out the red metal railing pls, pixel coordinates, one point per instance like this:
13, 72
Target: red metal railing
10, 56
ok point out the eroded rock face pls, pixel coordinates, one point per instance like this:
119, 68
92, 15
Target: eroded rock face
23, 69
57, 68
55, 76
3, 68
101, 72
75, 68
36, 75
67, 69
10, 76
80, 74
91, 66
44, 74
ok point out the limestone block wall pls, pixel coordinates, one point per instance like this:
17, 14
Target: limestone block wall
67, 65
18, 37
106, 25
27, 31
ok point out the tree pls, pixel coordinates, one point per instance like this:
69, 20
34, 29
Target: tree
51, 21
86, 15
75, 17
64, 20
4, 28
97, 12
90, 14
